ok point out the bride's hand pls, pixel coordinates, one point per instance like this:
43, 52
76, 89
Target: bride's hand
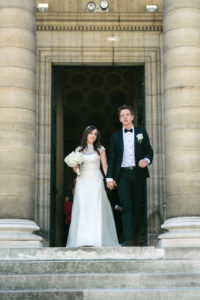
75, 169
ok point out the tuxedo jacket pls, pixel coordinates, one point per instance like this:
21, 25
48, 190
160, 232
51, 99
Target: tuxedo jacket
142, 150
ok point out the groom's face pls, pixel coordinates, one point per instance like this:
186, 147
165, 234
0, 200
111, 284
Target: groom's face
126, 118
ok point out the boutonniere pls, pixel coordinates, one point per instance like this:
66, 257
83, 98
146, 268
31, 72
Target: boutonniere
139, 137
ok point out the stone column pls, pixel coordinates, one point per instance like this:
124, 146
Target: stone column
17, 123
181, 74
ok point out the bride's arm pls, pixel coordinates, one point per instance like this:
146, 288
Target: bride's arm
104, 161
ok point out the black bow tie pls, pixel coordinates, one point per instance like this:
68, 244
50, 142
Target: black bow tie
126, 130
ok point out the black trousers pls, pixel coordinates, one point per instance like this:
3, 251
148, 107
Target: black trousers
131, 194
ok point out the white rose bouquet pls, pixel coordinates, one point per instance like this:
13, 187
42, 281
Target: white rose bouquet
74, 159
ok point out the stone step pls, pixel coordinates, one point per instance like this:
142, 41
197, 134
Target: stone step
91, 253
88, 273
102, 266
82, 253
100, 281
111, 294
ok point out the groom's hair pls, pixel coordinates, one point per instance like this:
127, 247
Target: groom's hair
126, 106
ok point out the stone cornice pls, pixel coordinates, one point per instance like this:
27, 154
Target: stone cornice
99, 17
99, 22
98, 28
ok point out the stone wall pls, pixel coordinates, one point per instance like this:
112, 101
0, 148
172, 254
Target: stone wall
115, 6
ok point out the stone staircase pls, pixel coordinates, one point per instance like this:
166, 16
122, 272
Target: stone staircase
125, 273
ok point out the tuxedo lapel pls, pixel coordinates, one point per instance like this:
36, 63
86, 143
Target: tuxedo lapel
121, 142
135, 133
136, 142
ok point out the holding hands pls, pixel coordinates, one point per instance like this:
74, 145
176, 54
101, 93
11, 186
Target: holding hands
111, 185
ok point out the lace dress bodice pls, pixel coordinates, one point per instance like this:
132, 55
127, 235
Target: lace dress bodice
91, 160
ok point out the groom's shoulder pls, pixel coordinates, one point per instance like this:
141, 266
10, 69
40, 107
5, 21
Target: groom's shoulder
140, 130
116, 134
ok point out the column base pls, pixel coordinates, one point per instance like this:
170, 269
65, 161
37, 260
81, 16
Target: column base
19, 233
182, 232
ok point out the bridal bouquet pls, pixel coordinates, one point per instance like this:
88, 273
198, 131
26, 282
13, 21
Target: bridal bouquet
74, 159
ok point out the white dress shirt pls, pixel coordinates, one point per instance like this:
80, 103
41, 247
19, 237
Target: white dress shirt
128, 159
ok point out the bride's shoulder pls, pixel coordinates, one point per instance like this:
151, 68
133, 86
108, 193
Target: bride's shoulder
78, 149
101, 148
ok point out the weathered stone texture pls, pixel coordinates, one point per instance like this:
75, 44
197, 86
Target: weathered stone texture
181, 105
17, 108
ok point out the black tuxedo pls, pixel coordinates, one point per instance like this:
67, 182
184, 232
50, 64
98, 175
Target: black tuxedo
130, 182
142, 150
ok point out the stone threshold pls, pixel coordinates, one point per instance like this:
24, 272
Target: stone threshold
82, 253
106, 253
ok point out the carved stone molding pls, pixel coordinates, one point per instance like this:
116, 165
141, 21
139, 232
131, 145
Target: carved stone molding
181, 232
19, 233
99, 28
90, 22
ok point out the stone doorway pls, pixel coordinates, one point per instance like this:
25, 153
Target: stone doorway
82, 96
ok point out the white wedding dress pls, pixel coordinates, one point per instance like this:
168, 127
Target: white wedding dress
92, 222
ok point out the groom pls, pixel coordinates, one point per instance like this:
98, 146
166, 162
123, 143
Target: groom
129, 154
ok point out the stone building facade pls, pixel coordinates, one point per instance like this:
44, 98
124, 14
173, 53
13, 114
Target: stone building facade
166, 43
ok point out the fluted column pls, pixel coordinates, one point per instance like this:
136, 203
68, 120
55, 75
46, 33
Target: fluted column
17, 121
181, 74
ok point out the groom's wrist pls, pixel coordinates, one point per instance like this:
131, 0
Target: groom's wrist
109, 179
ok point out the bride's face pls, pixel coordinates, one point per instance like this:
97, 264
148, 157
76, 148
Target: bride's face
92, 136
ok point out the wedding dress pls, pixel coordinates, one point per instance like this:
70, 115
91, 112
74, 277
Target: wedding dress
92, 222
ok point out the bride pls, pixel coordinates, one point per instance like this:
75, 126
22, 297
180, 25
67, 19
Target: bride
92, 222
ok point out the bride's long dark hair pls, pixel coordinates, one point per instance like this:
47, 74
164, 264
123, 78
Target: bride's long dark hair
96, 143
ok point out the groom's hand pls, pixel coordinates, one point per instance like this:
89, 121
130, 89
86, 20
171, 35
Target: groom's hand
111, 184
143, 163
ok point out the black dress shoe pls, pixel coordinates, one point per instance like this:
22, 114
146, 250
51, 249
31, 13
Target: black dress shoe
127, 243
